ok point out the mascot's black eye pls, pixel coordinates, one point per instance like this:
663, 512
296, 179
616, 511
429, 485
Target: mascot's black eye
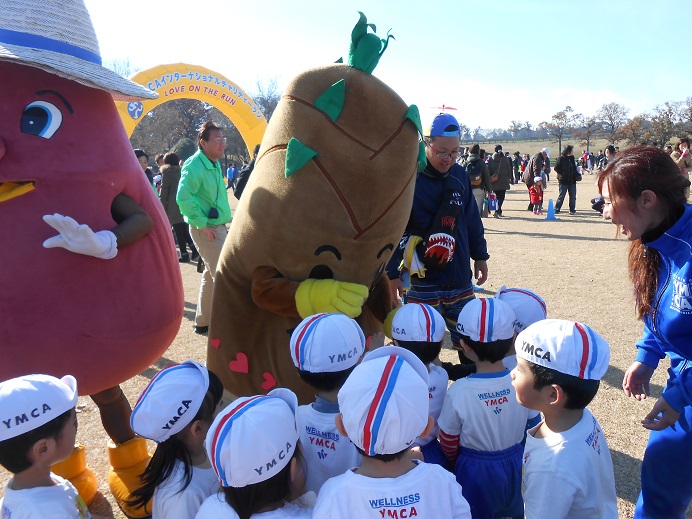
41, 118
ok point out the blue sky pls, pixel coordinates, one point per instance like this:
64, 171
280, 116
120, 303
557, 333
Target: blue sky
494, 61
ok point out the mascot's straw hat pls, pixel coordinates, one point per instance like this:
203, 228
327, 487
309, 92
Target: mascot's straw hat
57, 36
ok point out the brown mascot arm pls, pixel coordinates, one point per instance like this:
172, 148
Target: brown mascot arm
380, 299
133, 221
273, 292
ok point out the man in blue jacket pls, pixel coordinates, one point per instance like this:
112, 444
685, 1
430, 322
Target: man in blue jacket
444, 232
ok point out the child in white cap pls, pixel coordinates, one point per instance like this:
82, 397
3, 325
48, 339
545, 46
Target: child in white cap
528, 308
255, 452
420, 329
175, 410
567, 468
383, 410
536, 194
38, 426
325, 348
482, 426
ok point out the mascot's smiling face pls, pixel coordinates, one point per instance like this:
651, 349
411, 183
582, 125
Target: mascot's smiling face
63, 150
341, 213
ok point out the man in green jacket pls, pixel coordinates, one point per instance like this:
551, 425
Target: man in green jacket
203, 201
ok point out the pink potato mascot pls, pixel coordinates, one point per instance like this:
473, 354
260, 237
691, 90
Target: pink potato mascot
89, 279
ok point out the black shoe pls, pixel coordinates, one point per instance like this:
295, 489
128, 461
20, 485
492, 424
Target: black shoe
201, 330
572, 213
195, 256
184, 259
557, 211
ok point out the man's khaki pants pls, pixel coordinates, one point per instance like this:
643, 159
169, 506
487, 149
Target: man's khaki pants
210, 252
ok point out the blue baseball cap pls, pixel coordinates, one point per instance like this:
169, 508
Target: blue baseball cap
441, 126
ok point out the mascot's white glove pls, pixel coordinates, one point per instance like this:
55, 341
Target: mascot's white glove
80, 239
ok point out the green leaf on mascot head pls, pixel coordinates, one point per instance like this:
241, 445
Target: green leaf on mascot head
366, 48
340, 60
422, 159
413, 115
297, 155
331, 101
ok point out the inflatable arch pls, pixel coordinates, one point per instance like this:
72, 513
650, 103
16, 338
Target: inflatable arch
182, 81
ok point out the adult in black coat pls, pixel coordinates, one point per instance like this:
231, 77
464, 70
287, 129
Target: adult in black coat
567, 177
244, 174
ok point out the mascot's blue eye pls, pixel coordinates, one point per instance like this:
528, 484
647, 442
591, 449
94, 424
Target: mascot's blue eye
41, 118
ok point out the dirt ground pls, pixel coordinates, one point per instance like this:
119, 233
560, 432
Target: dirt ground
574, 262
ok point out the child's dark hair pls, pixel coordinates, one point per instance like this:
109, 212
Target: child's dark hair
383, 457
493, 351
14, 453
325, 381
169, 452
250, 499
580, 392
425, 351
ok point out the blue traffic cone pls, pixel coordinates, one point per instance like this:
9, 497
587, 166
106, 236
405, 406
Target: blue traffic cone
551, 211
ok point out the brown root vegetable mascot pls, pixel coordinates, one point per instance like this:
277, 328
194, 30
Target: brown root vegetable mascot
89, 280
325, 206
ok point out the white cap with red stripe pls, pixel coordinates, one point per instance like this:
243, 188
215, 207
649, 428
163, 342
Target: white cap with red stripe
327, 343
418, 322
566, 346
486, 320
253, 438
384, 402
528, 306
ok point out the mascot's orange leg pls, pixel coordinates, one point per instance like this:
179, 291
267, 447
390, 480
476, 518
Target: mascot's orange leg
128, 455
82, 477
127, 452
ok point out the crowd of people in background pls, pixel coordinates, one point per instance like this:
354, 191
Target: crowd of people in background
492, 175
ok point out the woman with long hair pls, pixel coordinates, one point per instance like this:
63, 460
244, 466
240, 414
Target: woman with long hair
645, 196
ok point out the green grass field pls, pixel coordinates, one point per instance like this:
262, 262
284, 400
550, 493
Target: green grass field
534, 146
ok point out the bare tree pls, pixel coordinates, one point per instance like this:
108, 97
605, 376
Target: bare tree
586, 128
267, 96
122, 66
560, 125
666, 121
514, 128
527, 129
686, 115
614, 117
636, 130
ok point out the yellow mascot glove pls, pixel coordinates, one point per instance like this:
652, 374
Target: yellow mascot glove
328, 295
387, 325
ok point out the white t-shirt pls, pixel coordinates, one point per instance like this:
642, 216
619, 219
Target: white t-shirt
483, 410
437, 389
569, 474
170, 502
426, 491
327, 452
215, 507
61, 501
